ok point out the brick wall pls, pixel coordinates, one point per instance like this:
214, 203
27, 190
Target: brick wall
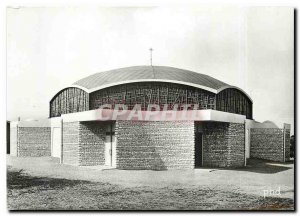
236, 145
34, 141
266, 143
155, 145
83, 143
223, 144
71, 143
92, 143
287, 144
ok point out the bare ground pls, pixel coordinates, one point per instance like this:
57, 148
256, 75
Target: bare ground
49, 189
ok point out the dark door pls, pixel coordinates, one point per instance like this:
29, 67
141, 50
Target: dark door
198, 149
7, 137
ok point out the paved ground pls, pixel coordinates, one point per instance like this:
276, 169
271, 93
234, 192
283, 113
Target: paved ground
254, 179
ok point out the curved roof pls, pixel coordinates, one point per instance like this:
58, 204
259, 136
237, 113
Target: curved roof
151, 73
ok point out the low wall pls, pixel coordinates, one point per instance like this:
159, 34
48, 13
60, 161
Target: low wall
223, 144
267, 143
34, 141
155, 145
30, 138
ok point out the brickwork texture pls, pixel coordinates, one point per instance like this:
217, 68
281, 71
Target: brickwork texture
155, 145
223, 144
92, 143
287, 144
267, 143
34, 141
71, 143
84, 143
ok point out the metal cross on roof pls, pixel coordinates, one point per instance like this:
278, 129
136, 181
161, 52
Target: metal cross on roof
151, 50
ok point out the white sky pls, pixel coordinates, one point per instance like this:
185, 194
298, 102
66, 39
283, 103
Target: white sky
50, 48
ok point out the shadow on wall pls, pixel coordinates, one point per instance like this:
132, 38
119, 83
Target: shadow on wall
158, 163
155, 145
152, 157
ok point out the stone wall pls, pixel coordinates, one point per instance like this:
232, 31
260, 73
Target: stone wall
155, 145
223, 144
71, 143
34, 141
287, 144
266, 143
236, 145
92, 143
83, 143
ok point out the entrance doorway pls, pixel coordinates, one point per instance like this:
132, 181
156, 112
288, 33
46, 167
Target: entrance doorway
110, 145
198, 149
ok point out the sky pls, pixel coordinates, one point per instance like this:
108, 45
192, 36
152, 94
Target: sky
51, 48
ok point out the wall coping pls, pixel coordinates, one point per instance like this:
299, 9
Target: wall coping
32, 123
201, 115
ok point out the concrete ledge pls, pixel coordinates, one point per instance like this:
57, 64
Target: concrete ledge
35, 123
198, 115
